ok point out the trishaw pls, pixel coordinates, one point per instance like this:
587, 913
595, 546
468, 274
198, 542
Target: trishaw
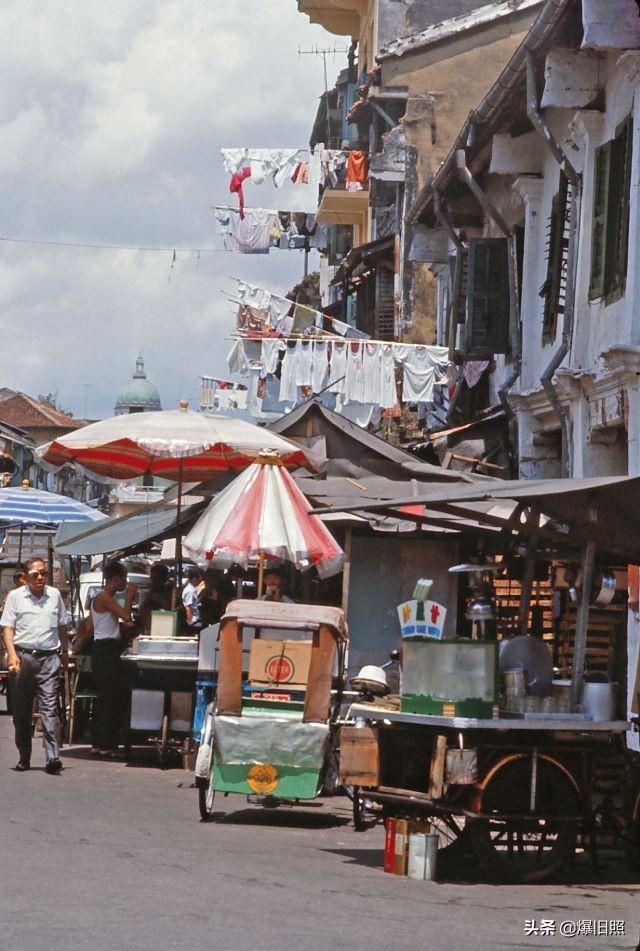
269, 730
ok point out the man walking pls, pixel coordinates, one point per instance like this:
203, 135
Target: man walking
35, 637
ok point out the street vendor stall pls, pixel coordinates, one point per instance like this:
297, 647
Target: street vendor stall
270, 730
482, 741
181, 446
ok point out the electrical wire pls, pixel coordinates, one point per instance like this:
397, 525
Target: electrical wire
111, 247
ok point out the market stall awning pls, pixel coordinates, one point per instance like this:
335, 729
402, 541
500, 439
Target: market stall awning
603, 510
119, 534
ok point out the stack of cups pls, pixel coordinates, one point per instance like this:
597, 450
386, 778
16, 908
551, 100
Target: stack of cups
515, 688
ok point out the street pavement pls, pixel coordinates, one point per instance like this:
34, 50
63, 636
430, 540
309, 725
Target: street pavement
107, 857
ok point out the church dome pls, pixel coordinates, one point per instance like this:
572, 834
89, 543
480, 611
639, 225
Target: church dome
140, 395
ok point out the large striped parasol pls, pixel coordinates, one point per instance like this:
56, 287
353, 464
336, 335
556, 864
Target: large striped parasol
178, 445
263, 514
26, 506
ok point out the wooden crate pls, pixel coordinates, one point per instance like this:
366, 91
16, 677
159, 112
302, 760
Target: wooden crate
359, 756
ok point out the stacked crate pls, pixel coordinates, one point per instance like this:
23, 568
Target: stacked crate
507, 596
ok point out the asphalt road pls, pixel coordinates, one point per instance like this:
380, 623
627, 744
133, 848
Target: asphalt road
107, 857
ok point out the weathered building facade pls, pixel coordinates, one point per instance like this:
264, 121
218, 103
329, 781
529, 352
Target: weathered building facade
533, 222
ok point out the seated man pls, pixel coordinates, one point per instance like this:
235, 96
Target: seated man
274, 588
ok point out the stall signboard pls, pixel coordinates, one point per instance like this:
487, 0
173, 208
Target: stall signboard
422, 619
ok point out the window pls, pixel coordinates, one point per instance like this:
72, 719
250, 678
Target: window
610, 235
487, 330
554, 288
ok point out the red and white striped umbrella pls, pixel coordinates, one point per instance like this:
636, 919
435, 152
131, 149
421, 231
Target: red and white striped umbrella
263, 513
175, 444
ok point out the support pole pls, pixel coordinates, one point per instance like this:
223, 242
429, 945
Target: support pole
260, 574
529, 570
582, 622
346, 570
178, 551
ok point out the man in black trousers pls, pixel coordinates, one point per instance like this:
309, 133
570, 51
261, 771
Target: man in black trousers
34, 628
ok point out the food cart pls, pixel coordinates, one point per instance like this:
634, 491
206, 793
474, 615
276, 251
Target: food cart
268, 732
515, 778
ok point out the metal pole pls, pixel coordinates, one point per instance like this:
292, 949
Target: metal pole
260, 574
582, 622
178, 552
346, 570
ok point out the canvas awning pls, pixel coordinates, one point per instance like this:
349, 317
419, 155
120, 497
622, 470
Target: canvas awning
120, 534
604, 510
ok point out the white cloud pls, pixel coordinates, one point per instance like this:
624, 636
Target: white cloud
111, 120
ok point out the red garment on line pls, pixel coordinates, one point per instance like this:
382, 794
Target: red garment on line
235, 185
357, 168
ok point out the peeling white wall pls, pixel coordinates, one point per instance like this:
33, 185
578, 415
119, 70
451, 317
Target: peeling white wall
611, 24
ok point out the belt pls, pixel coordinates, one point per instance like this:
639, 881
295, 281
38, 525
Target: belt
36, 653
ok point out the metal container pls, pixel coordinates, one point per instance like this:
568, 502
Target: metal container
461, 767
514, 682
422, 856
599, 700
607, 581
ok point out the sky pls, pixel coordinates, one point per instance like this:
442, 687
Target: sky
111, 120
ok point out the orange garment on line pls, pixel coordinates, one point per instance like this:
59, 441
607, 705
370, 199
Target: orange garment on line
357, 171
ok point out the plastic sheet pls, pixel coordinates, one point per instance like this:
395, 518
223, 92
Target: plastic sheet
269, 739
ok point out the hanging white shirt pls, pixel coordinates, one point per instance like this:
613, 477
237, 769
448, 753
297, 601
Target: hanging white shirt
270, 356
354, 381
338, 367
288, 386
304, 357
423, 367
320, 368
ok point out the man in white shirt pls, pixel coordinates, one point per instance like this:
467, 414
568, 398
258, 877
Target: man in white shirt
191, 599
34, 629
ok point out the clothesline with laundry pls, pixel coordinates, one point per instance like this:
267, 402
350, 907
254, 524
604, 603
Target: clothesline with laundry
261, 313
356, 378
217, 394
260, 230
319, 168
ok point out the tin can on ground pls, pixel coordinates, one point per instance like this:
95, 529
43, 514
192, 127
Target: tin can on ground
422, 855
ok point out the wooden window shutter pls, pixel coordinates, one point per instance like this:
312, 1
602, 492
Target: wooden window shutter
599, 230
384, 302
487, 297
618, 214
554, 288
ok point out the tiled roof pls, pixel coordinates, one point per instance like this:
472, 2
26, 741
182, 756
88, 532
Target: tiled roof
23, 411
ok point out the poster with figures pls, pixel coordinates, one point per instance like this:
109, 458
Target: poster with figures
422, 619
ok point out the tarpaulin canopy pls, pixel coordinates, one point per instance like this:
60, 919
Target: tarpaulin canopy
263, 513
118, 534
604, 510
23, 505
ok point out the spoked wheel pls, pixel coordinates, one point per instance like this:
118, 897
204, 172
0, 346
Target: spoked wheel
529, 845
365, 812
206, 798
451, 831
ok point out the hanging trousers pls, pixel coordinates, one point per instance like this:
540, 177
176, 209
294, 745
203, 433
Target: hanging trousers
38, 679
108, 677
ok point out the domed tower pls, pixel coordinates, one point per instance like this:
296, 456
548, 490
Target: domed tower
138, 396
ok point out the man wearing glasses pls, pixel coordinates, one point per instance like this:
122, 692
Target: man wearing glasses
34, 628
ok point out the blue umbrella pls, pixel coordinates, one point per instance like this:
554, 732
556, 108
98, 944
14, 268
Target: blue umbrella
26, 506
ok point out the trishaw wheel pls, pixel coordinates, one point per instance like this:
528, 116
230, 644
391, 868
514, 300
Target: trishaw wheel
206, 798
528, 846
364, 816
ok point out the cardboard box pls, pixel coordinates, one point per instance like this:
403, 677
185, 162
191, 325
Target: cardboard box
279, 662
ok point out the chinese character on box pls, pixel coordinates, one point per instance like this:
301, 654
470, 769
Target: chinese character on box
422, 619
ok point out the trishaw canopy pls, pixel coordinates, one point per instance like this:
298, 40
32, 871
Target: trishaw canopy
296, 615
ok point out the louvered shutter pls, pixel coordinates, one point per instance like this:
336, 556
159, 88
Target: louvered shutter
618, 214
384, 302
599, 230
487, 297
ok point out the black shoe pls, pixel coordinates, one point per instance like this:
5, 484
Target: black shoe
53, 767
22, 766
